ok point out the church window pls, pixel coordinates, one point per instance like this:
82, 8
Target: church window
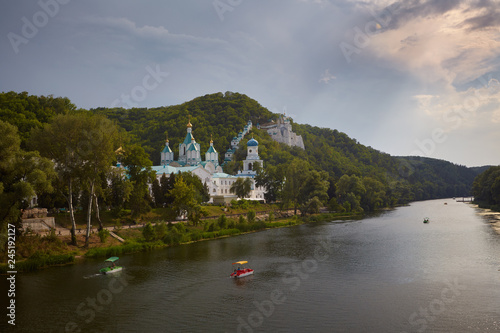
249, 166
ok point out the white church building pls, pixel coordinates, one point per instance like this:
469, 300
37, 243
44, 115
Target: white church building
209, 170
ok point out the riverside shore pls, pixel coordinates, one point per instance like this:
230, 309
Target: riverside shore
37, 251
494, 217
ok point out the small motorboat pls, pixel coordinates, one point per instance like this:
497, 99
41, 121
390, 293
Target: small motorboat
112, 268
426, 220
240, 270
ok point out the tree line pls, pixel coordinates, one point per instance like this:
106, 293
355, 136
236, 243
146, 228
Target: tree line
65, 155
486, 188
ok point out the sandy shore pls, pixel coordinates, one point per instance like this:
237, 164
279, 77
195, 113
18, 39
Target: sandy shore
494, 217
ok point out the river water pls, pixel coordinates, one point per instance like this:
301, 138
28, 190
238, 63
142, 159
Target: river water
385, 273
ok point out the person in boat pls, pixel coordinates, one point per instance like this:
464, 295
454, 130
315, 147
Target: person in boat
112, 265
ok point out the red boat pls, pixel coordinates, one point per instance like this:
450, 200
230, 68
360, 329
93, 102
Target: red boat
240, 271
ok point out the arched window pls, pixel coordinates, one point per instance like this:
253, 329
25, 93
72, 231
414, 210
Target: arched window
249, 166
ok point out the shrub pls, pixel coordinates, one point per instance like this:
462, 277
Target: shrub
160, 230
222, 221
271, 217
196, 235
148, 232
251, 216
103, 235
180, 227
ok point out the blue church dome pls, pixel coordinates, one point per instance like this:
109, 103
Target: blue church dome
252, 142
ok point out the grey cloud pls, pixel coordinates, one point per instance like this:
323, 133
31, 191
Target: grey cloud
488, 20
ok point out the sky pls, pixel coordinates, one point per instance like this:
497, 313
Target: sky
414, 77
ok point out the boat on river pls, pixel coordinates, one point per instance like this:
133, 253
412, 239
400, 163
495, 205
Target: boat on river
240, 270
426, 220
112, 268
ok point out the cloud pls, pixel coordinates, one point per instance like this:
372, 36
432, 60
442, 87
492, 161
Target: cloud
474, 108
326, 76
127, 28
438, 47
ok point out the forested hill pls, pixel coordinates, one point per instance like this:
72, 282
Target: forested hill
219, 115
222, 116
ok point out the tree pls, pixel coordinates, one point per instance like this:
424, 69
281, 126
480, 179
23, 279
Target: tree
97, 152
22, 175
241, 187
272, 179
486, 187
296, 175
202, 194
120, 189
82, 146
374, 195
314, 192
157, 193
350, 189
138, 168
60, 141
196, 213
184, 197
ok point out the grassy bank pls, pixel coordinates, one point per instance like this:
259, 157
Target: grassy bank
168, 234
35, 252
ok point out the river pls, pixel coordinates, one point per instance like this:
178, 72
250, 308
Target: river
385, 273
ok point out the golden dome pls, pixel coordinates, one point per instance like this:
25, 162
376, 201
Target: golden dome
119, 151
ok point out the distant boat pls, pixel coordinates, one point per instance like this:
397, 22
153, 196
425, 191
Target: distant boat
240, 272
445, 203
426, 220
111, 268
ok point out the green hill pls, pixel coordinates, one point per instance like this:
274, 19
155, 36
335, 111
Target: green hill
222, 116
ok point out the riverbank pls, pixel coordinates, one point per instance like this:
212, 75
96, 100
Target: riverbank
493, 216
37, 252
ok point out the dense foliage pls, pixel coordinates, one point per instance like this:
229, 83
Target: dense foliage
486, 188
27, 111
336, 170
22, 175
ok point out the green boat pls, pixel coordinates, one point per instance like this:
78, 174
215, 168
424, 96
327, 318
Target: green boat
112, 268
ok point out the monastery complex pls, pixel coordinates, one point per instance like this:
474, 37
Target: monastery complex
209, 170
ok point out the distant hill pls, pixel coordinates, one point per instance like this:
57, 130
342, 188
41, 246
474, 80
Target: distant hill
223, 115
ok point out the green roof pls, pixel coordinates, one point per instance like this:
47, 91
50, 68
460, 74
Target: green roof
112, 259
188, 139
166, 149
211, 149
192, 148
